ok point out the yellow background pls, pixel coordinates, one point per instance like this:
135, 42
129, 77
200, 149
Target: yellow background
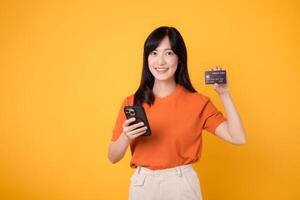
65, 67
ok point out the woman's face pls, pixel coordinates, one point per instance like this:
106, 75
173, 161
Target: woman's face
163, 61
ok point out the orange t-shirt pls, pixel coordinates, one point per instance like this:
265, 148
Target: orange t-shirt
176, 122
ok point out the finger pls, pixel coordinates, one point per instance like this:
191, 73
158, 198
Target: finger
139, 134
134, 126
128, 121
136, 131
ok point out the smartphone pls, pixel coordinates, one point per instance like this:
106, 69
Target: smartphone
212, 77
140, 115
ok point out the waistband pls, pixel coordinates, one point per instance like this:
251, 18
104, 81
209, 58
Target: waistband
168, 171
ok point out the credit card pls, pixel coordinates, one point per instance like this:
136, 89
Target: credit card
212, 77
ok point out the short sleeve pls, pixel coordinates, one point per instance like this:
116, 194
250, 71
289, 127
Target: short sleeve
117, 130
211, 117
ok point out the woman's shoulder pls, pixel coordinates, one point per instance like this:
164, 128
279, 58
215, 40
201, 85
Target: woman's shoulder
128, 100
196, 96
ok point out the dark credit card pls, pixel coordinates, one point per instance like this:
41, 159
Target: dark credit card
212, 77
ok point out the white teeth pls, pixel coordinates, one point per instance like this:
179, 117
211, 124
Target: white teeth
162, 69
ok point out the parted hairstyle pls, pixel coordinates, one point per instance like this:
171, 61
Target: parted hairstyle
144, 92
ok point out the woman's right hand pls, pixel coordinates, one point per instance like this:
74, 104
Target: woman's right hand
133, 131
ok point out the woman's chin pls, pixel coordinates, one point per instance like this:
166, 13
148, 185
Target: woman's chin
163, 78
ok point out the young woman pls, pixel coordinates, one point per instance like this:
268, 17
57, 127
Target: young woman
177, 114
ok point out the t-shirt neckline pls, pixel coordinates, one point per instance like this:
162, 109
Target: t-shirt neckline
170, 96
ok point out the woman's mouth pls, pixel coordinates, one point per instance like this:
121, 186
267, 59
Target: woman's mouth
161, 69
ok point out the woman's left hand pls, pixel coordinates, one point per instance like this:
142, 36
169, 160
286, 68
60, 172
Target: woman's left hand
220, 88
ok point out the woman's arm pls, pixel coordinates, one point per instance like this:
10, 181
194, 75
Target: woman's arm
231, 130
118, 148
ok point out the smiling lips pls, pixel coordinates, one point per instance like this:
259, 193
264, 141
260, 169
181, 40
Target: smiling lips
161, 69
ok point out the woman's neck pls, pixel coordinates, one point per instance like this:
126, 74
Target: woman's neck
163, 88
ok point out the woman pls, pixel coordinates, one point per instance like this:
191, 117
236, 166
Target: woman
177, 114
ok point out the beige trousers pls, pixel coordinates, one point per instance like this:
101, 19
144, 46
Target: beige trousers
178, 183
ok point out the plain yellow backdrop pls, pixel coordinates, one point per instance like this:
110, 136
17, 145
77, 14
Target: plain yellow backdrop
66, 66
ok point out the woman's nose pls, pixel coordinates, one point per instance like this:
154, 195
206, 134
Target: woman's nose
161, 60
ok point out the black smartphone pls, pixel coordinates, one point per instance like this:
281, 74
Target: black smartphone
140, 115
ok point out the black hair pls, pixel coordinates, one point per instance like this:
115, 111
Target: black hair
144, 92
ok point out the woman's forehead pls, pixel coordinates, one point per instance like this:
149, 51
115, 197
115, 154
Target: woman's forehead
162, 49
164, 45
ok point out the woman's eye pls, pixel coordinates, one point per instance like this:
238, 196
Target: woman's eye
153, 53
170, 53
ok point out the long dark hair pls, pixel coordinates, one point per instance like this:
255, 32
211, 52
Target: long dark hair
144, 92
